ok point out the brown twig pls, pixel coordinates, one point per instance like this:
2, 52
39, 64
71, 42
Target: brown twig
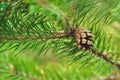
105, 57
34, 38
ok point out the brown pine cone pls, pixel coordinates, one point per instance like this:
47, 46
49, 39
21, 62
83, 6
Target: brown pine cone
83, 38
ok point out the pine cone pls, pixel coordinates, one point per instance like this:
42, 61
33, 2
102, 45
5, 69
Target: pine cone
83, 38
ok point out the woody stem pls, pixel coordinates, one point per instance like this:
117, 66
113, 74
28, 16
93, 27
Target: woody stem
34, 38
105, 57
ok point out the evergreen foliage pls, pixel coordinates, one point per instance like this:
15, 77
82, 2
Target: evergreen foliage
31, 29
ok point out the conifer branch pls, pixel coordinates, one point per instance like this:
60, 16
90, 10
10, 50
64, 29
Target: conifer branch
37, 37
105, 57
